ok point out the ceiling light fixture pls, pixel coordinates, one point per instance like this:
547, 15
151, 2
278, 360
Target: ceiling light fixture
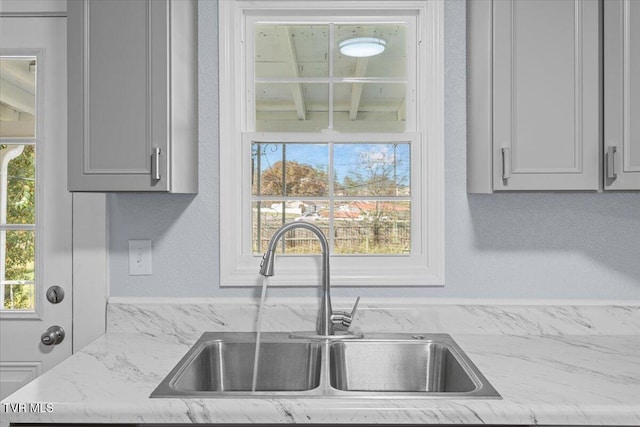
362, 47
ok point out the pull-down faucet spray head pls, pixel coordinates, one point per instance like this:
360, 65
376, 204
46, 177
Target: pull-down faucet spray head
266, 266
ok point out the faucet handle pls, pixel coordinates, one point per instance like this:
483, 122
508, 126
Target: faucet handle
349, 317
355, 307
342, 320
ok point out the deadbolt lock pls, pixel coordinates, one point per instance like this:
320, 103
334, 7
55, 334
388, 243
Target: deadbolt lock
55, 294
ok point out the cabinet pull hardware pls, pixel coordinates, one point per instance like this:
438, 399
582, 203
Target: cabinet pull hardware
611, 162
155, 164
506, 163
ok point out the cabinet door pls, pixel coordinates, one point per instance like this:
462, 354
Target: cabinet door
546, 87
118, 90
622, 94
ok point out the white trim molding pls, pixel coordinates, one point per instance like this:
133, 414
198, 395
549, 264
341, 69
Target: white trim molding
90, 268
14, 375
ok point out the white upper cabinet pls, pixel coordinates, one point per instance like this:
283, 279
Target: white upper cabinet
132, 95
546, 127
622, 94
536, 114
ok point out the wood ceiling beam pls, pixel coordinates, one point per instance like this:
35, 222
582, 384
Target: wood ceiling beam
356, 88
296, 88
360, 71
16, 97
24, 129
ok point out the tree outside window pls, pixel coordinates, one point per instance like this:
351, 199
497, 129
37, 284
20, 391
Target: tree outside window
18, 187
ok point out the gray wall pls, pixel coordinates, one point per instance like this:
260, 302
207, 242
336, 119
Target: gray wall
533, 245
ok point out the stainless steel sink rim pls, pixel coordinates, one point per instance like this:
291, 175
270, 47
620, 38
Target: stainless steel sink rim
483, 389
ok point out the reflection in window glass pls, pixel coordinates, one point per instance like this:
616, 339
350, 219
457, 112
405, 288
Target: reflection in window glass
17, 97
289, 54
392, 62
291, 50
370, 107
294, 107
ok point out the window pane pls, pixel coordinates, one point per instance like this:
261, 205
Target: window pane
291, 107
19, 296
304, 173
271, 215
18, 268
370, 107
19, 254
19, 197
17, 97
372, 169
392, 62
372, 227
291, 51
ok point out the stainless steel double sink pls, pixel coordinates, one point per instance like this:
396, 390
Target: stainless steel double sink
220, 364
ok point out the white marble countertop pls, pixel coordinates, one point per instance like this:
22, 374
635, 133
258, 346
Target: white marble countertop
543, 379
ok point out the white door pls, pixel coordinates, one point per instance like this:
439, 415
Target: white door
35, 220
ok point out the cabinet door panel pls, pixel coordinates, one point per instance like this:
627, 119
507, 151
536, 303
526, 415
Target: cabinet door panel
546, 123
119, 114
622, 94
118, 140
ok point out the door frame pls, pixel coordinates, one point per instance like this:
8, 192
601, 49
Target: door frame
90, 258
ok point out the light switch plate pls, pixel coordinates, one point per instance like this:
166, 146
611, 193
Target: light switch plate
140, 258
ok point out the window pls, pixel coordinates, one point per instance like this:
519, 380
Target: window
354, 144
18, 183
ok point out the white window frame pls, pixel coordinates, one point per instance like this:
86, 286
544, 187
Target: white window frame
425, 265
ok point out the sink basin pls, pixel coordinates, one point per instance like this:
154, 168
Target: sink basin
375, 366
223, 364
400, 366
228, 366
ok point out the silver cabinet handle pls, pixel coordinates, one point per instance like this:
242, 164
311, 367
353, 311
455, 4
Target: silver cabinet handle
506, 163
611, 162
155, 164
52, 336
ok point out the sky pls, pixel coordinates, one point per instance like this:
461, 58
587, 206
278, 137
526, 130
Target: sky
349, 157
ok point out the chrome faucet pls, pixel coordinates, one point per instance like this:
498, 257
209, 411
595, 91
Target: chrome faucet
328, 321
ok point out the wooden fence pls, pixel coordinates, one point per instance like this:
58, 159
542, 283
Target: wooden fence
349, 237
